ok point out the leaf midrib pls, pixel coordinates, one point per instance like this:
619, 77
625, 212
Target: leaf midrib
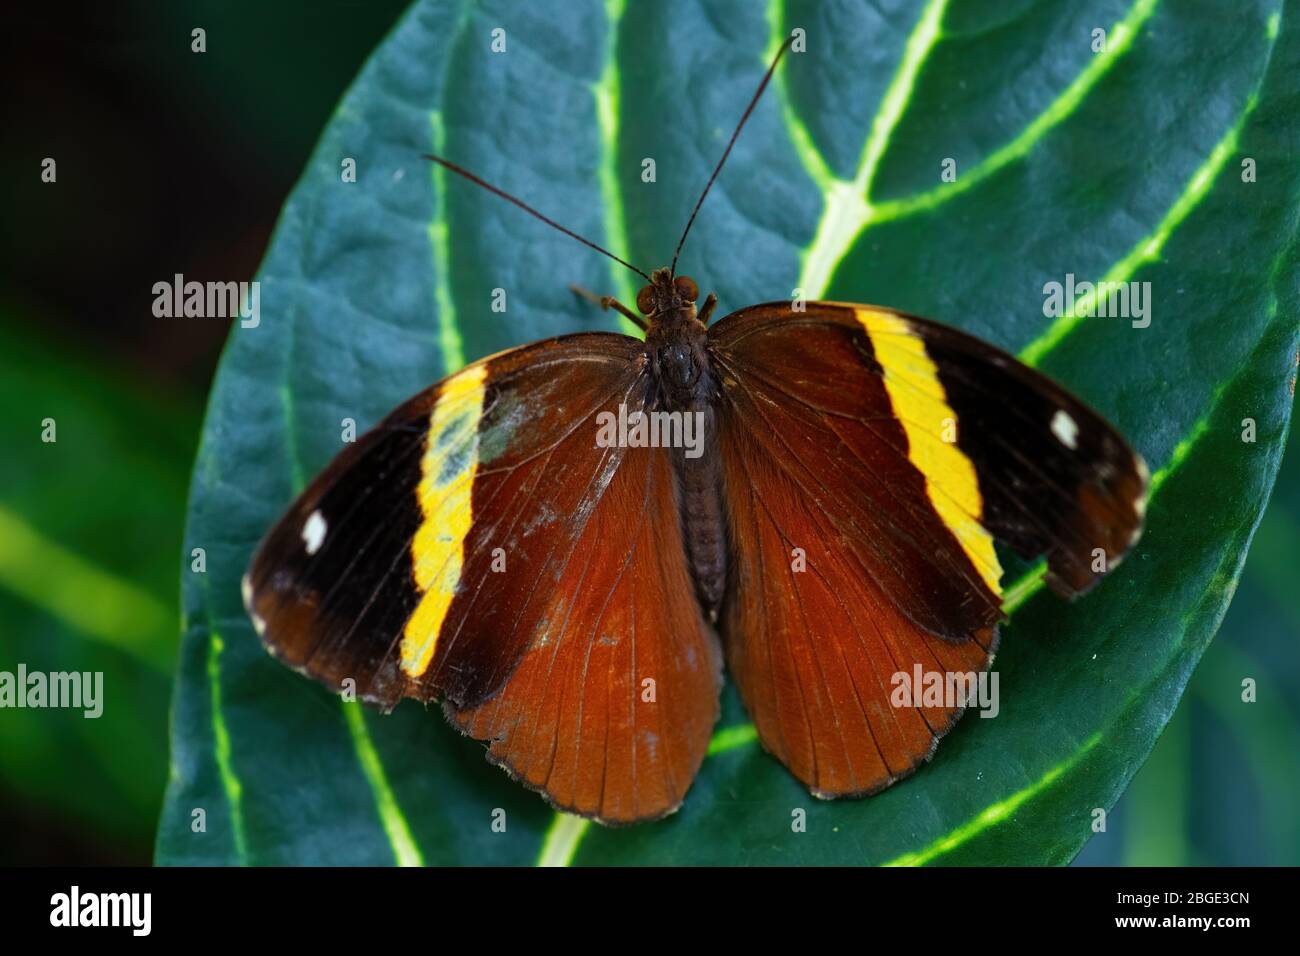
844, 222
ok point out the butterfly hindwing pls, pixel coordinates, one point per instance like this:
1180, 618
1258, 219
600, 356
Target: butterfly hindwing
481, 548
611, 708
870, 460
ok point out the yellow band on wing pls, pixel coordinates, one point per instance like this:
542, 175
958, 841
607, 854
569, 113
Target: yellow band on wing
446, 486
921, 405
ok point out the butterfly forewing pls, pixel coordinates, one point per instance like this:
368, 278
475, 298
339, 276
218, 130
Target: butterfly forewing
478, 546
870, 460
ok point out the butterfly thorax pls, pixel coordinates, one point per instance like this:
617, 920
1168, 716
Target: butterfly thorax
679, 361
676, 343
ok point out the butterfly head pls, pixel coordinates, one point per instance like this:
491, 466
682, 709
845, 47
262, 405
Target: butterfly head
675, 338
667, 295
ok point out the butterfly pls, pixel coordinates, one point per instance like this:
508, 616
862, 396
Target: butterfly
564, 541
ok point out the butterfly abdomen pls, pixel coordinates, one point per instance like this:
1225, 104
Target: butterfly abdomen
704, 528
686, 385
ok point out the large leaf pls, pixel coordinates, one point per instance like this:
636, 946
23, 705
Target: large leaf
1124, 163
1219, 788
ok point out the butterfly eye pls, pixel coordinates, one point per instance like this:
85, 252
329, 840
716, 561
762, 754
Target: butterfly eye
687, 288
645, 300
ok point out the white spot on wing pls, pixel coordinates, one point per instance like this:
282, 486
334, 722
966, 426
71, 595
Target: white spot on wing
313, 532
246, 588
1144, 473
1065, 428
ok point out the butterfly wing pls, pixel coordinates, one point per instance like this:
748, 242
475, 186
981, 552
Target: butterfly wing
870, 459
610, 709
479, 546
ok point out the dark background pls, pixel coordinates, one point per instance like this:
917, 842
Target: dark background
167, 161
173, 161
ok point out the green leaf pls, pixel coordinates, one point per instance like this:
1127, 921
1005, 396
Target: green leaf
1123, 164
1218, 789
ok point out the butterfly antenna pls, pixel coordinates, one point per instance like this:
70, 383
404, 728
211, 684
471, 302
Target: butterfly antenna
461, 171
727, 152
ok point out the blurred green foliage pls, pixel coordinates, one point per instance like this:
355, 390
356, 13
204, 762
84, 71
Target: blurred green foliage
90, 529
168, 161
